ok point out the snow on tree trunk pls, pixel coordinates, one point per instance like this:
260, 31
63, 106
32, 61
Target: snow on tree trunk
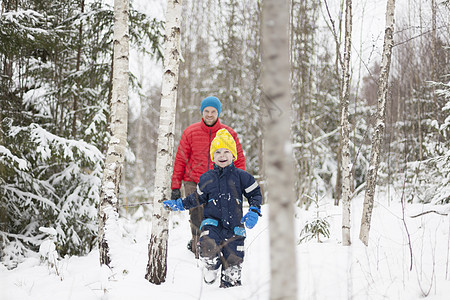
371, 177
345, 151
114, 161
278, 149
338, 189
157, 247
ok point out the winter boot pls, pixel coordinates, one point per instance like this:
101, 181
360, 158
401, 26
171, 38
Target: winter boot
231, 276
210, 269
210, 276
189, 246
209, 254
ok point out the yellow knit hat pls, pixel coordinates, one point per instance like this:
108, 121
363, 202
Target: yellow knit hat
223, 139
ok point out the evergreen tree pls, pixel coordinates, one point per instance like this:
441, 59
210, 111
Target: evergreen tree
56, 65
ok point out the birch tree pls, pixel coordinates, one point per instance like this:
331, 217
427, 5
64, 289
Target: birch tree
112, 174
157, 247
371, 177
345, 152
278, 149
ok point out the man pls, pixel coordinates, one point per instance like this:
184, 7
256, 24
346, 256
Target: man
193, 159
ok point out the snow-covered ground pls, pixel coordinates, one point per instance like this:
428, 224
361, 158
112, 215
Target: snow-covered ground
325, 270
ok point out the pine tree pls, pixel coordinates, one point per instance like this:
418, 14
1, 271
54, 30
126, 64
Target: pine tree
49, 172
53, 178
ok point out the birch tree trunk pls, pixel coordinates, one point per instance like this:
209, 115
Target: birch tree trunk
338, 37
434, 56
278, 149
112, 174
371, 177
76, 98
157, 247
338, 189
345, 135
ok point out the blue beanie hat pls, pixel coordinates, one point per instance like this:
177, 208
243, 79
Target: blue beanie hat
211, 101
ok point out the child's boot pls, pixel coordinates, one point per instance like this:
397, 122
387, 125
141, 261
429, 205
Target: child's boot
231, 276
210, 275
210, 269
209, 258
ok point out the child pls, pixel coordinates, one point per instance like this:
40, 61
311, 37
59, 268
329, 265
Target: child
222, 230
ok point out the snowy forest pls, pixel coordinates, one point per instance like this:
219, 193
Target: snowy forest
369, 119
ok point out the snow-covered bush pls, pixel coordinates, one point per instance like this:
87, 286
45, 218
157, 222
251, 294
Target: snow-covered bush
48, 180
428, 180
47, 249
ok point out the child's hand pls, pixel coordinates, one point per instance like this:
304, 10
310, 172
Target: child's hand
251, 218
175, 205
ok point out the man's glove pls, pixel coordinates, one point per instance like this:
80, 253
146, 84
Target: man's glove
251, 217
175, 194
175, 205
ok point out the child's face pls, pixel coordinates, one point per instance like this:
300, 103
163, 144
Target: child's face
223, 157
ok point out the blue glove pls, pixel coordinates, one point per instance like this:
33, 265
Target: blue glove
251, 218
175, 205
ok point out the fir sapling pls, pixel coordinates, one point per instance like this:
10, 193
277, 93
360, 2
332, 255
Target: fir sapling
316, 227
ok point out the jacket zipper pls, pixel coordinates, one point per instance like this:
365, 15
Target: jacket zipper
209, 152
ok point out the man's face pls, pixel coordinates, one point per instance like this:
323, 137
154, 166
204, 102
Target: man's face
210, 115
223, 157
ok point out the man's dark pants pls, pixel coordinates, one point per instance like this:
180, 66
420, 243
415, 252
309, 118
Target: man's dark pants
196, 216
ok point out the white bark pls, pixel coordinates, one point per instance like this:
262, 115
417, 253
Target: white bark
371, 177
114, 161
278, 149
345, 99
157, 248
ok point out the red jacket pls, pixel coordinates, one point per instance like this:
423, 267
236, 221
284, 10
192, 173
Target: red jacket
193, 156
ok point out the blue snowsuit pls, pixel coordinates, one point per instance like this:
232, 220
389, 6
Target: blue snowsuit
222, 234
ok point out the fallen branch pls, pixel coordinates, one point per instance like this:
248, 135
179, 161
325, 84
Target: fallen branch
402, 200
429, 211
135, 204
